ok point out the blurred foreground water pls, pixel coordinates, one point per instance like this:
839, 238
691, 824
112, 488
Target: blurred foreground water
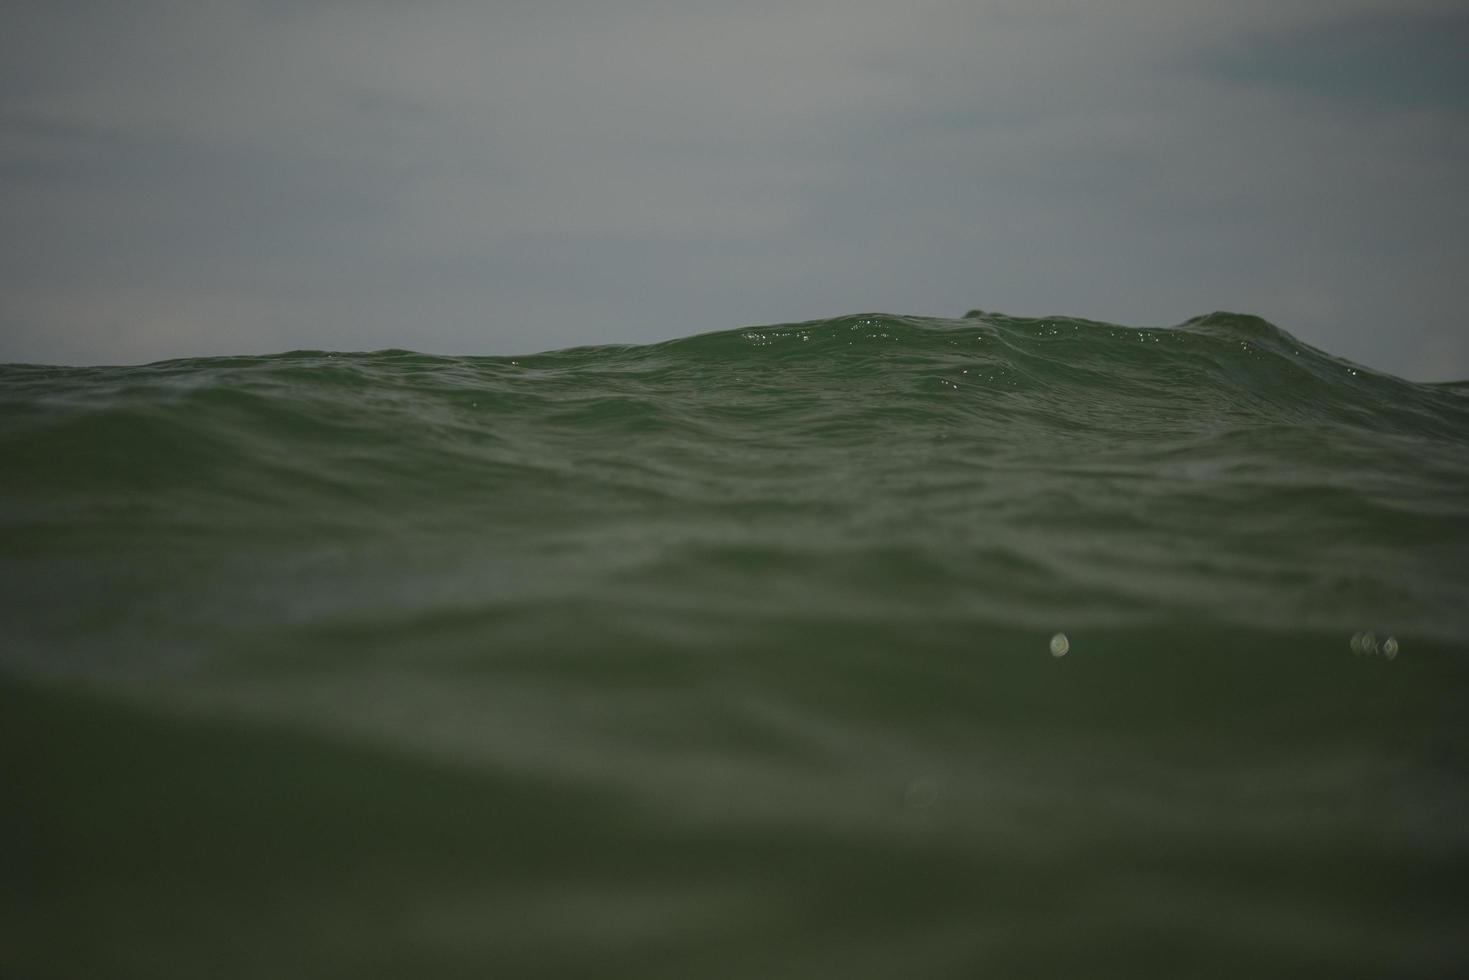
873, 646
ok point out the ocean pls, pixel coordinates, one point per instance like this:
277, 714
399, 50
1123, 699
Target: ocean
876, 646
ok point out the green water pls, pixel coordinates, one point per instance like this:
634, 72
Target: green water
735, 656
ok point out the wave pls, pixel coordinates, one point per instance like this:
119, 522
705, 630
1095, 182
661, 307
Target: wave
939, 638
1065, 468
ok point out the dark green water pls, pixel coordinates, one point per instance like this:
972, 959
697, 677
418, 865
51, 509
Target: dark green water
732, 657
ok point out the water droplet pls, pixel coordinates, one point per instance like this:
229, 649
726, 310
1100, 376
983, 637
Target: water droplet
1364, 643
1060, 645
1390, 648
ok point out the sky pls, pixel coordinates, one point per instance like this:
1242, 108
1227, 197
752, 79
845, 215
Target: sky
220, 176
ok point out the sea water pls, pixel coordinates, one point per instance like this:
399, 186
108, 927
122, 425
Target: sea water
868, 647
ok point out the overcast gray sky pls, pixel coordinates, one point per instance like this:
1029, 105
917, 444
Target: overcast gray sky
222, 176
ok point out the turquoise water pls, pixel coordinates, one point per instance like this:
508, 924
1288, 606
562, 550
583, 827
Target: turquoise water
875, 646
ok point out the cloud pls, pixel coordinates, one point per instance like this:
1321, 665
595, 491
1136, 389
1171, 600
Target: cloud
179, 179
1380, 59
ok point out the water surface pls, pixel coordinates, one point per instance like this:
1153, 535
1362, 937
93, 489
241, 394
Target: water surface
874, 646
